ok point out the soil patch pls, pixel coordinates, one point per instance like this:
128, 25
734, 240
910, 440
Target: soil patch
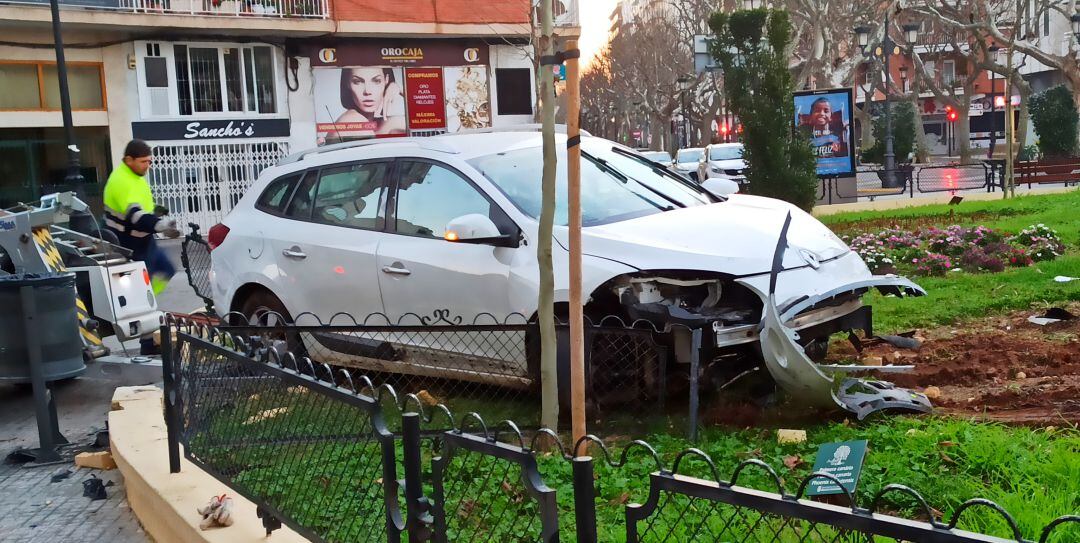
1005, 369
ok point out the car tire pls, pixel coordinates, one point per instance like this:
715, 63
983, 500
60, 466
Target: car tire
258, 305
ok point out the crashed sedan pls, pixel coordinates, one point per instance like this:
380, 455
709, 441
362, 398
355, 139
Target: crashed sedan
407, 226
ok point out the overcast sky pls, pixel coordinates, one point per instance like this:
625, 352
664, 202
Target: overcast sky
594, 26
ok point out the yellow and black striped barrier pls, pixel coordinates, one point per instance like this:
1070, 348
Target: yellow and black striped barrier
54, 261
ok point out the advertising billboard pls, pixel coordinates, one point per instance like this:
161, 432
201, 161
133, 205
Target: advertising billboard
359, 102
467, 103
427, 107
825, 116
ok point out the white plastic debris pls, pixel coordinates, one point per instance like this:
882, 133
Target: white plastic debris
1065, 279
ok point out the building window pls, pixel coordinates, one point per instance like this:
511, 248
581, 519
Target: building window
224, 79
35, 86
948, 72
514, 91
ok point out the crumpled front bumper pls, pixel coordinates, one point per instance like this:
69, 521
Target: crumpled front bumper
801, 298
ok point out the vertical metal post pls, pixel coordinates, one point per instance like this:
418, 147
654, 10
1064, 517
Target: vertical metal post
584, 499
418, 517
890, 156
44, 407
172, 392
695, 363
74, 175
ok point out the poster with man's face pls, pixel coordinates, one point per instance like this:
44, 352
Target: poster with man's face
359, 102
825, 117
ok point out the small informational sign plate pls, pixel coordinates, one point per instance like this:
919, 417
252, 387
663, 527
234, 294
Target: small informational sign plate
841, 460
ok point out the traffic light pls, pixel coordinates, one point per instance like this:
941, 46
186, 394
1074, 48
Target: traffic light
950, 114
723, 129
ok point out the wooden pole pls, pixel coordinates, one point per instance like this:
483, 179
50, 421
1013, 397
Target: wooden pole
573, 176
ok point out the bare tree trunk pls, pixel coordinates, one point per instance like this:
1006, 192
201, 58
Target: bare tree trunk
962, 131
549, 375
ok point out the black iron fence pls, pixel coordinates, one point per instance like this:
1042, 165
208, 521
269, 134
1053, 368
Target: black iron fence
195, 257
337, 458
486, 361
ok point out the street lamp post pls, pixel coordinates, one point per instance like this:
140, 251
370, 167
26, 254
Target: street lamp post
887, 49
74, 173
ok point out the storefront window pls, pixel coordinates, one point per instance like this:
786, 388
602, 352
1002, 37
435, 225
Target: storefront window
232, 79
229, 79
205, 79
34, 86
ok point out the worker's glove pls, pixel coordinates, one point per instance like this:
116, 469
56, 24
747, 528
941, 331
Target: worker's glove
217, 512
161, 211
167, 229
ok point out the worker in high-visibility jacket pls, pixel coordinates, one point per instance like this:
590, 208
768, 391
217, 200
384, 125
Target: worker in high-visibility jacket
130, 213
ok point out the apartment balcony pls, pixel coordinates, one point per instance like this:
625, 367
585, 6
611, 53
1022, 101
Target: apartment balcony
252, 17
312, 9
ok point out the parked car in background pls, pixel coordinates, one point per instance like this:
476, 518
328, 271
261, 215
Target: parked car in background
660, 157
723, 161
687, 161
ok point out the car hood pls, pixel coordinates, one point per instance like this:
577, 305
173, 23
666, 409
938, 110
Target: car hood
686, 165
736, 237
734, 164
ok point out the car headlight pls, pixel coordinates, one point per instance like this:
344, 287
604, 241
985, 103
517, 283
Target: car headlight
716, 169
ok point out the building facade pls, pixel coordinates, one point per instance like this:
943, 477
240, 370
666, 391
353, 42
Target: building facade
225, 88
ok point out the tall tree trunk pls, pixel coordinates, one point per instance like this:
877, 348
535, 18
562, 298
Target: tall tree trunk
549, 375
922, 152
962, 131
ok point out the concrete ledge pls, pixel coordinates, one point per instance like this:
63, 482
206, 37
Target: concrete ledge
926, 200
165, 503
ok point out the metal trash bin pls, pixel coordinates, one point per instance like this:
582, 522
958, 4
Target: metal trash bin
55, 325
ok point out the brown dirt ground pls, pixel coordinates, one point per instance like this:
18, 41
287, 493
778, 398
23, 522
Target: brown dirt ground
1003, 368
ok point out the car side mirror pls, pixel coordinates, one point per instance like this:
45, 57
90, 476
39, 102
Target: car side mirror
478, 229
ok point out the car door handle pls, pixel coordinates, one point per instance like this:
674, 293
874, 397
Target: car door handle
294, 252
396, 271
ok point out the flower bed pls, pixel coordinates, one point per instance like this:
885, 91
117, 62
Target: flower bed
934, 251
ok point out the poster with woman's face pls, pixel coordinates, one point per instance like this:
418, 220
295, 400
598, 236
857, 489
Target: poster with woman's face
359, 102
467, 104
825, 116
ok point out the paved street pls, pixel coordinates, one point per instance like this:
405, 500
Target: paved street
34, 509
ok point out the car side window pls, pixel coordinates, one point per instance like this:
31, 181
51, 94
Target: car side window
429, 196
276, 194
351, 195
300, 205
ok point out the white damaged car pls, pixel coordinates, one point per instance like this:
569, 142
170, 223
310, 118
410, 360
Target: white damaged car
408, 226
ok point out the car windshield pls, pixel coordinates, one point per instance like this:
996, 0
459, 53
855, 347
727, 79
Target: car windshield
689, 155
614, 186
658, 156
725, 153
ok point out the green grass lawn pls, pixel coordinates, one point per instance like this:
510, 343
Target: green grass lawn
961, 296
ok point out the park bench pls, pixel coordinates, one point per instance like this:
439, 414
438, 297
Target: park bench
1048, 170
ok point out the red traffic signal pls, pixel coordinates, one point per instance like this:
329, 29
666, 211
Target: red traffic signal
723, 129
951, 116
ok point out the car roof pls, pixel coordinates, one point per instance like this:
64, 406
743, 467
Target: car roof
736, 144
465, 145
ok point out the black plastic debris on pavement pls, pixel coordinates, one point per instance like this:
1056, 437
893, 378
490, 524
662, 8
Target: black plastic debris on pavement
94, 489
56, 478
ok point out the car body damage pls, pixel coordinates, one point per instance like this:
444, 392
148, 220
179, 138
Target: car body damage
802, 378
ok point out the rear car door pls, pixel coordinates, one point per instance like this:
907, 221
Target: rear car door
419, 271
326, 247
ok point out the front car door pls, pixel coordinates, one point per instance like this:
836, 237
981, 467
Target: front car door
326, 252
419, 271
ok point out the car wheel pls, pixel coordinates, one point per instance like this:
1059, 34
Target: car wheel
262, 308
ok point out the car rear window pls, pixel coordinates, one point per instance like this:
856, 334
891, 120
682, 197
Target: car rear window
276, 194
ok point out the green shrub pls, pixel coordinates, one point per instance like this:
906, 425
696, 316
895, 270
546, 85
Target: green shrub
903, 121
1054, 115
753, 47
